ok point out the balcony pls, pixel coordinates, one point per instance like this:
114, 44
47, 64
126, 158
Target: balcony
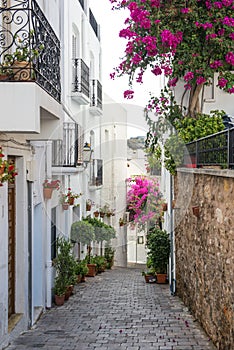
80, 88
81, 3
67, 153
96, 97
29, 66
30, 50
213, 151
93, 24
96, 174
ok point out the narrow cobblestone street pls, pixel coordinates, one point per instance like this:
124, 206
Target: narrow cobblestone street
117, 310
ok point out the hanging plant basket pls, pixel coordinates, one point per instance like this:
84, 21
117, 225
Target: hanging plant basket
47, 192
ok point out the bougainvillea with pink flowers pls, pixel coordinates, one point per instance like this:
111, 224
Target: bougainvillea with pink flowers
189, 40
144, 200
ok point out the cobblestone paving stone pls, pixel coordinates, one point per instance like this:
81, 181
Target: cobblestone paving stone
116, 310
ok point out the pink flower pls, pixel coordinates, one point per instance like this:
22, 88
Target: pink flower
157, 70
228, 21
222, 82
172, 82
216, 64
188, 76
128, 94
200, 80
230, 58
184, 10
136, 58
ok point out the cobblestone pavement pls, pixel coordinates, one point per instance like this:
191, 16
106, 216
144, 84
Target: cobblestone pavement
116, 310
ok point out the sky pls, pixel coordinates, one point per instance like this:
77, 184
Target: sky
111, 22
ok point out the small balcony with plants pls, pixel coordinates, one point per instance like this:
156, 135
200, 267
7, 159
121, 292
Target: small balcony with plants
95, 97
80, 82
29, 65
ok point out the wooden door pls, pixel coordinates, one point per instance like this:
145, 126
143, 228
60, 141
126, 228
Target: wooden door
11, 249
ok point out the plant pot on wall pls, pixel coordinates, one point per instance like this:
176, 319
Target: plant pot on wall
71, 201
47, 192
65, 206
88, 207
196, 211
96, 214
164, 206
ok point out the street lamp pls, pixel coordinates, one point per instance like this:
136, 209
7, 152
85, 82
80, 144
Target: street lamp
87, 153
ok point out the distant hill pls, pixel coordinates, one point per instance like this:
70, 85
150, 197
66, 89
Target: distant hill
136, 142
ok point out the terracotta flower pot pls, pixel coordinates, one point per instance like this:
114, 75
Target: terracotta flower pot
96, 214
47, 192
161, 278
59, 299
71, 201
2, 168
102, 214
164, 206
88, 207
92, 270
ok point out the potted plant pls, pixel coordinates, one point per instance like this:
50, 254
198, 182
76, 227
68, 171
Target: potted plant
100, 262
59, 290
149, 274
7, 170
64, 201
122, 222
109, 253
71, 196
20, 61
96, 213
89, 204
83, 232
65, 264
158, 243
49, 186
81, 270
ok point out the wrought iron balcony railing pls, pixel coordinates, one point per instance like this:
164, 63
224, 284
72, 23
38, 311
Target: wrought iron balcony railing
216, 149
65, 152
29, 48
96, 174
80, 77
96, 94
93, 23
82, 3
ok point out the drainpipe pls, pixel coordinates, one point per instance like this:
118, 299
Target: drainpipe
48, 162
30, 256
172, 239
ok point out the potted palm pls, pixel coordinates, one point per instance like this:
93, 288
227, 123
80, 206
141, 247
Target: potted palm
158, 243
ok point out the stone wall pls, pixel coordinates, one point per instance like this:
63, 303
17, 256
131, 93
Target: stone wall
205, 249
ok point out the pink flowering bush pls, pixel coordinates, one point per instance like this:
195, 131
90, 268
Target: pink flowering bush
188, 40
144, 200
